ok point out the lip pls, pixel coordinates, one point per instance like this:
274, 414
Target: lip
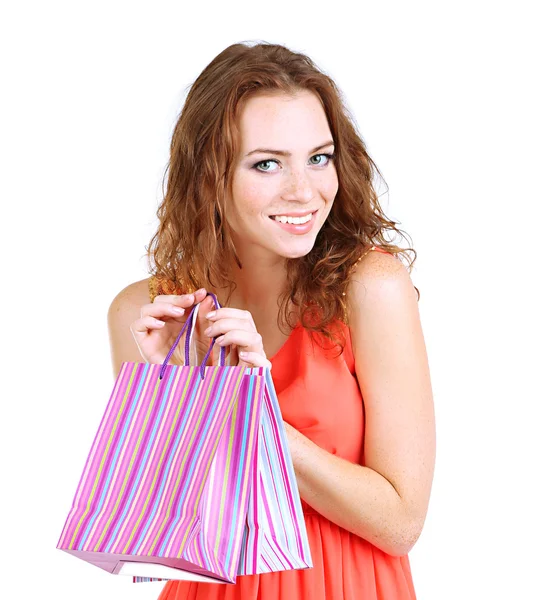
301, 228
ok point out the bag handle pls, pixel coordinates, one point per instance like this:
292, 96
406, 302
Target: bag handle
190, 326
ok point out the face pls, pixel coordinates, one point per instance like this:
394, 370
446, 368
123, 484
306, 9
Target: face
279, 202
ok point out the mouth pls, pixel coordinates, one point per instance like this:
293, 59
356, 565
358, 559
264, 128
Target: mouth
297, 223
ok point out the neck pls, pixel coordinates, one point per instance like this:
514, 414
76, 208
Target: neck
259, 284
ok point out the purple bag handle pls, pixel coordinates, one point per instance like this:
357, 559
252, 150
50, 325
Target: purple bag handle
189, 336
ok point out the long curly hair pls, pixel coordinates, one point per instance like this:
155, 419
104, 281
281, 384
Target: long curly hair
193, 247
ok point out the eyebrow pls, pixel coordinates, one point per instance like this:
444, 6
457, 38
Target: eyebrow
285, 152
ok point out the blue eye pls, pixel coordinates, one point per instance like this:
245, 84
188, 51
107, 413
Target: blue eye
330, 157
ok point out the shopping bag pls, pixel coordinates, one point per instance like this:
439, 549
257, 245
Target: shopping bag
171, 487
274, 534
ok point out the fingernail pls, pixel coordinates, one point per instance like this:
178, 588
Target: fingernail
200, 291
178, 310
243, 354
208, 331
210, 314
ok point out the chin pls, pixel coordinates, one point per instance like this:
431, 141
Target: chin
297, 250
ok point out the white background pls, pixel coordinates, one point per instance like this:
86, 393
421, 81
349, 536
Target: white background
442, 96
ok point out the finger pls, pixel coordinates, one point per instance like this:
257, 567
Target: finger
146, 324
216, 328
253, 359
248, 341
183, 300
206, 305
232, 313
204, 308
200, 295
162, 309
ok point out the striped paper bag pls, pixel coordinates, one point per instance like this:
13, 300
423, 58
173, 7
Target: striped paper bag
189, 477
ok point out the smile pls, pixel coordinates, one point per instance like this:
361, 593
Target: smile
297, 224
293, 220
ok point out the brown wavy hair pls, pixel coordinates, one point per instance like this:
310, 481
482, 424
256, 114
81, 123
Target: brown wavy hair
193, 248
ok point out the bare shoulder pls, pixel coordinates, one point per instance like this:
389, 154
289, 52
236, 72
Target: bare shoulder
125, 308
136, 293
382, 275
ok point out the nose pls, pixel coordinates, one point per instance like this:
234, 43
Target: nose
298, 187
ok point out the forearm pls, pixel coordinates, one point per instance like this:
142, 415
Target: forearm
353, 496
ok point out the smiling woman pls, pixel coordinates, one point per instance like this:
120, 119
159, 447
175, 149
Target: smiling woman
294, 244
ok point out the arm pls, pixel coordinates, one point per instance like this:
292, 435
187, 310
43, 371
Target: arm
385, 501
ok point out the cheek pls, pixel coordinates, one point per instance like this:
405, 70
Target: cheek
250, 196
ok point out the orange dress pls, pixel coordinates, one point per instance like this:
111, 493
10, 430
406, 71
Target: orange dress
346, 566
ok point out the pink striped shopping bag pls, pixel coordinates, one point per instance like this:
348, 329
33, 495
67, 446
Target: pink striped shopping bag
189, 476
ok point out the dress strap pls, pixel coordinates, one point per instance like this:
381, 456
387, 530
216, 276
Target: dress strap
369, 250
366, 253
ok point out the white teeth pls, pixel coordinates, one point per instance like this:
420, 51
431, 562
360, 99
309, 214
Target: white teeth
293, 220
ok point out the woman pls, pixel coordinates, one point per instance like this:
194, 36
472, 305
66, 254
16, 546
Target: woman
270, 205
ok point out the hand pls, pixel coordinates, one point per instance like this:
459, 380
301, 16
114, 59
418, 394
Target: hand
159, 325
235, 330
